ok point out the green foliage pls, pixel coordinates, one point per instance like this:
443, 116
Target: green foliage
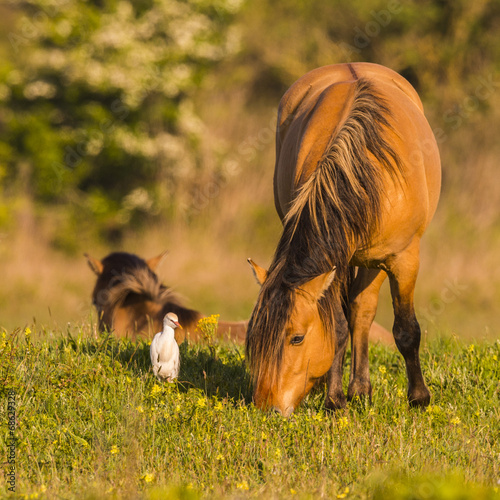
95, 97
442, 47
93, 422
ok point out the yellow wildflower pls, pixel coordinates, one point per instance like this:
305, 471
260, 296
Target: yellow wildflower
140, 409
243, 485
344, 492
433, 409
155, 390
382, 369
455, 421
148, 478
208, 326
342, 422
114, 450
201, 403
209, 320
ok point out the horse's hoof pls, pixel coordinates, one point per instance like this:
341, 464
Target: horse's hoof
336, 402
359, 389
419, 399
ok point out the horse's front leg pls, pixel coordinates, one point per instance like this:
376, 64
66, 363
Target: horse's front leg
363, 307
335, 398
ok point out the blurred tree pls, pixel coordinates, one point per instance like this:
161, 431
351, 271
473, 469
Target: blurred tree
443, 47
95, 100
96, 97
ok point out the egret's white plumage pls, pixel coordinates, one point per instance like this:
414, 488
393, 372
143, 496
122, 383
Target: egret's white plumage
164, 350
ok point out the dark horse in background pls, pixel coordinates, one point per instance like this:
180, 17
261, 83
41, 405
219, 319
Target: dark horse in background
356, 183
131, 300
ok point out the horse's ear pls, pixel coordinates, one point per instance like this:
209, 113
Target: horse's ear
259, 272
94, 264
154, 262
319, 285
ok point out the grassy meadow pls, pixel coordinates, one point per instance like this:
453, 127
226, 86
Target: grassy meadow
145, 126
93, 422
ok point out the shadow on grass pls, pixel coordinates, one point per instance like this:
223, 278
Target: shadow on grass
132, 355
217, 370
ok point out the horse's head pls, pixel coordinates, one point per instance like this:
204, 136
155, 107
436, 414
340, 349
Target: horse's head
111, 272
288, 346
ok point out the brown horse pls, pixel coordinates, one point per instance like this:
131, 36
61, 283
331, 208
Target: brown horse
356, 183
131, 300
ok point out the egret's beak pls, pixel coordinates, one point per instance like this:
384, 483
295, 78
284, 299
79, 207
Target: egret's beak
178, 324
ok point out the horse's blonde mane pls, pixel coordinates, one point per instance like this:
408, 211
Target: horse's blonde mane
347, 166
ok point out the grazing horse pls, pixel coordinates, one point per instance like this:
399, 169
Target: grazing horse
356, 182
131, 300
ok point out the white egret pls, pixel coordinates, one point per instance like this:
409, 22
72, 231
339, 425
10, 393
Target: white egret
164, 350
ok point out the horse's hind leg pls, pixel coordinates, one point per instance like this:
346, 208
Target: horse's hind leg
403, 270
363, 306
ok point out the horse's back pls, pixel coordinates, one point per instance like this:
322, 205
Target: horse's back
306, 89
316, 107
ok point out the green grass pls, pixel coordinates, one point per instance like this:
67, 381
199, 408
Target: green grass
93, 422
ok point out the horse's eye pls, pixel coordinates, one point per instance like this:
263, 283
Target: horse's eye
297, 339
